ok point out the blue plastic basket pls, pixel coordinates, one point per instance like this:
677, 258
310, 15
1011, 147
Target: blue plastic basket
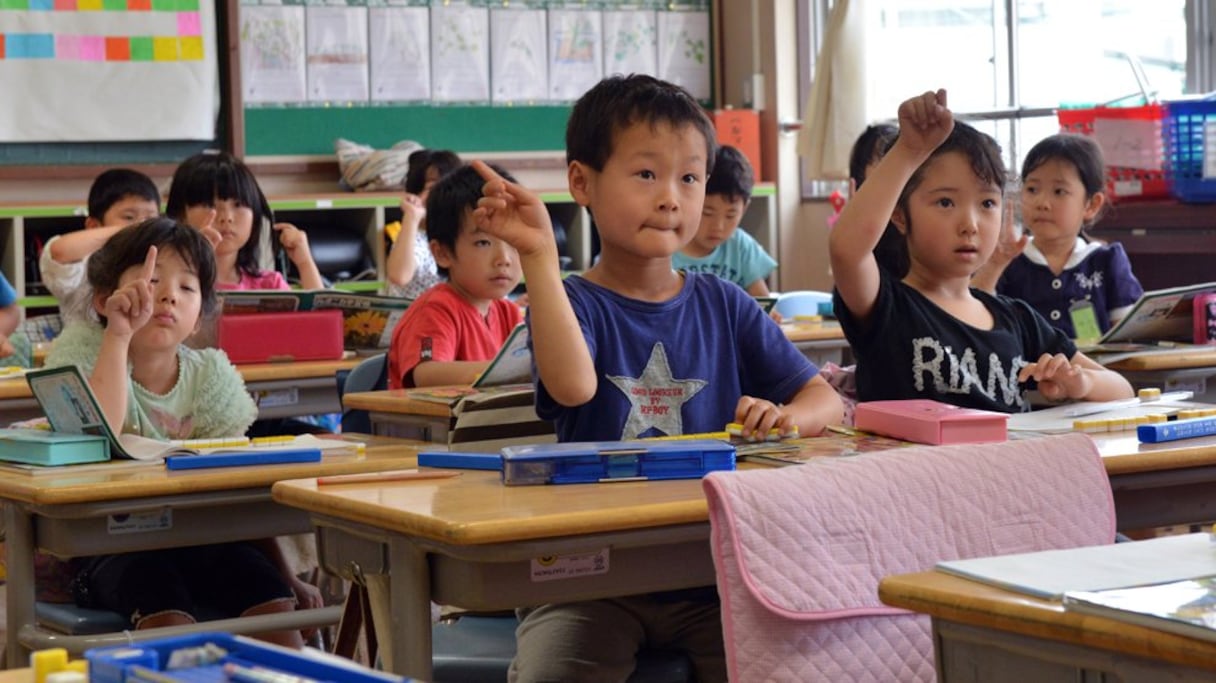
1190, 142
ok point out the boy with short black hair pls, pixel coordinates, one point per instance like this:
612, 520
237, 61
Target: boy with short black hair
614, 349
118, 197
450, 334
719, 247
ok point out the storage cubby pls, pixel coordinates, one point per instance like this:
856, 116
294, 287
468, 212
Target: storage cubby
331, 221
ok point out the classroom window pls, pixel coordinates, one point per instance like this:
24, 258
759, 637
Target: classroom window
1015, 61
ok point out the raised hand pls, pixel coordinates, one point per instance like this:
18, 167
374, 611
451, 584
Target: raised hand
129, 307
514, 214
1012, 239
202, 218
294, 241
413, 210
924, 122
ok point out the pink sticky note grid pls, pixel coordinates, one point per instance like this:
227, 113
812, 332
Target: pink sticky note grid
188, 24
92, 48
67, 48
65, 5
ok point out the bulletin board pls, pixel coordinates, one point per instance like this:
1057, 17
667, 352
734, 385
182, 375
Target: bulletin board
106, 71
482, 75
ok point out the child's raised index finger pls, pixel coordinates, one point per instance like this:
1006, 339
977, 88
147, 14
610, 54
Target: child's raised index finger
150, 263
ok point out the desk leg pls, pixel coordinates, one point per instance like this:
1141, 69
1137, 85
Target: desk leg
19, 551
409, 644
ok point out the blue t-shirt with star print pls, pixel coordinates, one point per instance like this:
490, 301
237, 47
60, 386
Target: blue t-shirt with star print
675, 367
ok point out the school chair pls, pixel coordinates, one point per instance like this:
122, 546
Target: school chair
799, 551
369, 375
806, 302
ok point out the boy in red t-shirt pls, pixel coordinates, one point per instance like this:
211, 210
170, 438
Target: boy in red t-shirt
451, 332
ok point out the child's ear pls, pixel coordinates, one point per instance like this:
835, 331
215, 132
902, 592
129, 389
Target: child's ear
90, 223
99, 302
900, 220
443, 255
578, 177
1093, 206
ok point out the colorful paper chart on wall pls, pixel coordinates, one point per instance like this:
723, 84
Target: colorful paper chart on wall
107, 70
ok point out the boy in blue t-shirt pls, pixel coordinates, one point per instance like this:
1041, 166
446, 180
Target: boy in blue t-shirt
719, 247
633, 348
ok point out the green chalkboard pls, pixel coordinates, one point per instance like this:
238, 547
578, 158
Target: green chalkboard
312, 130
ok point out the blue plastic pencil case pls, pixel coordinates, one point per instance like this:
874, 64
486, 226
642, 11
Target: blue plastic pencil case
611, 461
460, 461
149, 661
252, 456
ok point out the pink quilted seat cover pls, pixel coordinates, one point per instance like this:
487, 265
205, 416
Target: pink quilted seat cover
799, 551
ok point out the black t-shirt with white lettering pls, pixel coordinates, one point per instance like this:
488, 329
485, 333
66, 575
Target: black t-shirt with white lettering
911, 348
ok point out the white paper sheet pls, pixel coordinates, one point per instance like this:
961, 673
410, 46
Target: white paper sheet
684, 51
1130, 143
460, 53
519, 67
631, 42
400, 42
575, 52
272, 54
114, 75
337, 54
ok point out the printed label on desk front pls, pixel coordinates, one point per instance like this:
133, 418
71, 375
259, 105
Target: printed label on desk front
273, 398
140, 522
554, 567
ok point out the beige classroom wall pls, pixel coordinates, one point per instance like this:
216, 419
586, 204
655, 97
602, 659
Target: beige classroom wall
759, 37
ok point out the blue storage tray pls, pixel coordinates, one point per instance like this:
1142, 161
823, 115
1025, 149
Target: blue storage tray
608, 461
113, 664
1190, 140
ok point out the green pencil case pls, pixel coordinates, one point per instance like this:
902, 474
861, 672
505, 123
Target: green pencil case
41, 447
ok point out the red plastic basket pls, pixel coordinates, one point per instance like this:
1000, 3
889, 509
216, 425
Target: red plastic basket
1131, 135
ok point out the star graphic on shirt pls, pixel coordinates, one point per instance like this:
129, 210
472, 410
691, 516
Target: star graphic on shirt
655, 397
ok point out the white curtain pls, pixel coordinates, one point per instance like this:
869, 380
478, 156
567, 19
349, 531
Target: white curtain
836, 108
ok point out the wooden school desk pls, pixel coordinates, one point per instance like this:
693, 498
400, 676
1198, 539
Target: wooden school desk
1188, 370
984, 633
391, 408
820, 341
280, 389
474, 543
145, 507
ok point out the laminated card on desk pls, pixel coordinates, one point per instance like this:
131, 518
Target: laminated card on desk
1186, 607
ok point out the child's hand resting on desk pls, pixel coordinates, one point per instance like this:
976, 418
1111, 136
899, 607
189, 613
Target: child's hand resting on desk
514, 214
1058, 377
129, 308
759, 416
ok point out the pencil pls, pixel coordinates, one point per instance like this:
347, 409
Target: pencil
389, 475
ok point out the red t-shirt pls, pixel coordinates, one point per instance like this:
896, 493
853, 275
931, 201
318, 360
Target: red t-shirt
441, 325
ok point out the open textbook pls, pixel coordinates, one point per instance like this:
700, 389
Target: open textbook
71, 408
512, 364
368, 319
1162, 315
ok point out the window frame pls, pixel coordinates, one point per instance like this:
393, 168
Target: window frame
813, 14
